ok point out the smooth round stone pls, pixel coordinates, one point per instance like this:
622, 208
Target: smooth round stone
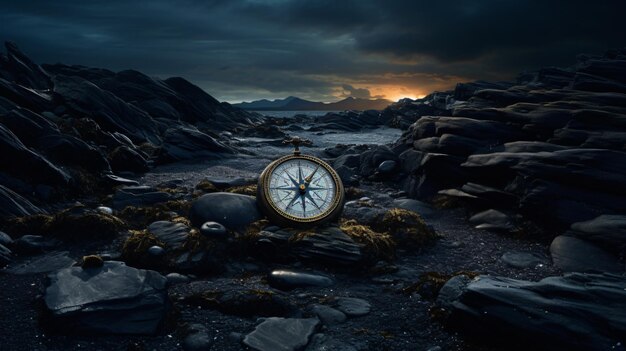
287, 279
156, 251
328, 315
522, 259
353, 307
387, 167
105, 210
213, 230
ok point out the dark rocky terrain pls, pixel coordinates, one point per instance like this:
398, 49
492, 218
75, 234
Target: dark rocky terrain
495, 221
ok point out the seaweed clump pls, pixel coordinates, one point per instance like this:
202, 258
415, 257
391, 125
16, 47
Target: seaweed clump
375, 245
135, 248
406, 227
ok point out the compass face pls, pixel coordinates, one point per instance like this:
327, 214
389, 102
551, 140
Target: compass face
302, 188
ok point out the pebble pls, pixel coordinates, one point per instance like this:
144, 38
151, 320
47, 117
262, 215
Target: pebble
198, 340
353, 307
285, 334
177, 278
387, 167
156, 251
105, 210
213, 230
328, 315
289, 279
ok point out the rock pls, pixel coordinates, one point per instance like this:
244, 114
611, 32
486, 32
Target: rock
353, 307
5, 256
177, 278
45, 263
123, 158
138, 196
523, 259
198, 262
156, 251
571, 312
5, 239
109, 111
198, 339
574, 255
20, 69
606, 230
492, 220
213, 230
115, 180
173, 235
282, 334
33, 244
387, 167
330, 246
419, 207
112, 299
328, 315
21, 162
234, 211
69, 150
288, 279
105, 210
186, 143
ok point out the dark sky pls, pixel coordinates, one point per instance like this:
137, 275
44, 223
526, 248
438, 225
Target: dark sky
320, 50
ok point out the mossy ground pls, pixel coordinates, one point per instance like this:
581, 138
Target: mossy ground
74, 224
406, 227
244, 190
376, 245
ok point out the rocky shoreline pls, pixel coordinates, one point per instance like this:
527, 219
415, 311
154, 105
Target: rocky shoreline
495, 221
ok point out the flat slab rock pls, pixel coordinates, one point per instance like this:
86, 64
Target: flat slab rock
44, 263
282, 334
577, 311
174, 235
352, 306
112, 299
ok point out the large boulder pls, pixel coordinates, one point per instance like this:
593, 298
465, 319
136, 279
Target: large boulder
111, 113
112, 299
234, 211
574, 312
185, 143
18, 68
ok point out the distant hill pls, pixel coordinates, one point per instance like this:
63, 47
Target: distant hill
293, 103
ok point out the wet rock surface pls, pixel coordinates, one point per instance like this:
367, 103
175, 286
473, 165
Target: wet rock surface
113, 298
281, 334
569, 312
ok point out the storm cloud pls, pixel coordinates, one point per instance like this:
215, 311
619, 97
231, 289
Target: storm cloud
245, 50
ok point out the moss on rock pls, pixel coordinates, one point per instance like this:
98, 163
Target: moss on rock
406, 227
250, 189
376, 245
135, 248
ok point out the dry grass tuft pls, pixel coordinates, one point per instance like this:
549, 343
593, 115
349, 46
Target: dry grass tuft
353, 193
406, 227
206, 186
135, 248
375, 245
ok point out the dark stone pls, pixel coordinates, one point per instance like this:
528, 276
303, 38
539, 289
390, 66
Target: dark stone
572, 312
323, 342
287, 334
213, 230
419, 207
13, 205
173, 235
123, 158
156, 251
288, 279
387, 167
234, 211
606, 230
353, 307
574, 255
33, 244
523, 259
185, 143
5, 255
5, 239
328, 315
492, 220
45, 263
113, 299
20, 69
330, 246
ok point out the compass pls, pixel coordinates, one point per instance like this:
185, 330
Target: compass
300, 190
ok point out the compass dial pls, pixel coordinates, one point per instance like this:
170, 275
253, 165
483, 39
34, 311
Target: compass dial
301, 188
